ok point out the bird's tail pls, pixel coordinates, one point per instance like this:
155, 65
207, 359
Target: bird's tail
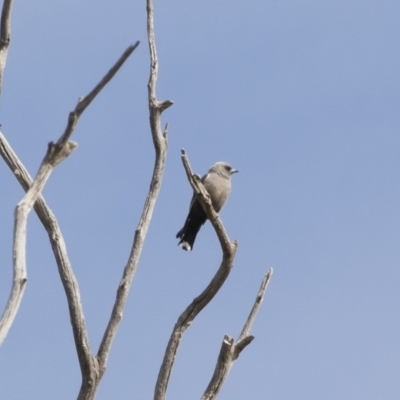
187, 236
193, 223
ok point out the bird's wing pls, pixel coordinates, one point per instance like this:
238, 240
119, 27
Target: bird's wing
219, 188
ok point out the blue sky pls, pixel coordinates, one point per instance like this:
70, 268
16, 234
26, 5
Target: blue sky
303, 98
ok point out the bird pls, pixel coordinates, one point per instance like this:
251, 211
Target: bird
217, 182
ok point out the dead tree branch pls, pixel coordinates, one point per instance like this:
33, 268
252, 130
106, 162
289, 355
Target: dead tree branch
5, 36
92, 368
52, 158
186, 318
230, 350
84, 102
57, 242
161, 146
55, 154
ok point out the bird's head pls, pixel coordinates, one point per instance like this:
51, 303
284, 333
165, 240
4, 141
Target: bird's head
224, 169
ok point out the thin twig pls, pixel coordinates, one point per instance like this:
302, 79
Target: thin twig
5, 36
186, 318
160, 145
84, 102
257, 304
155, 107
230, 350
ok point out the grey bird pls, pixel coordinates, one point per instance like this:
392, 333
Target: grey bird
217, 182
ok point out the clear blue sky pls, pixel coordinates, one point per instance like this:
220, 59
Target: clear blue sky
303, 98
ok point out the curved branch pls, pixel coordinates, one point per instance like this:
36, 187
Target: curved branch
230, 350
186, 318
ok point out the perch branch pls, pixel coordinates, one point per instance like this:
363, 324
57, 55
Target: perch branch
186, 318
161, 146
230, 350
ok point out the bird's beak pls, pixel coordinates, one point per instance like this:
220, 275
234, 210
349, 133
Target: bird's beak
233, 171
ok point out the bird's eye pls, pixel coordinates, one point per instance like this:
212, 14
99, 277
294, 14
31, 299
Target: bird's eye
227, 167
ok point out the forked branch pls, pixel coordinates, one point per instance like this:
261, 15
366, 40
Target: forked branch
19, 243
230, 350
56, 153
185, 319
92, 367
57, 242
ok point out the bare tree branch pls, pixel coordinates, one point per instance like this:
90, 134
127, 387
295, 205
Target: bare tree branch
58, 245
257, 304
161, 146
84, 102
52, 158
19, 255
5, 36
92, 368
55, 154
155, 107
186, 318
230, 350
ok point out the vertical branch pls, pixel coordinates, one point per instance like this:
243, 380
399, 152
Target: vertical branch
153, 54
5, 36
160, 146
155, 107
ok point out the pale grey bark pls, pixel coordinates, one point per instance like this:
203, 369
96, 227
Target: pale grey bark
185, 319
56, 153
5, 36
231, 349
52, 158
160, 146
58, 245
93, 367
